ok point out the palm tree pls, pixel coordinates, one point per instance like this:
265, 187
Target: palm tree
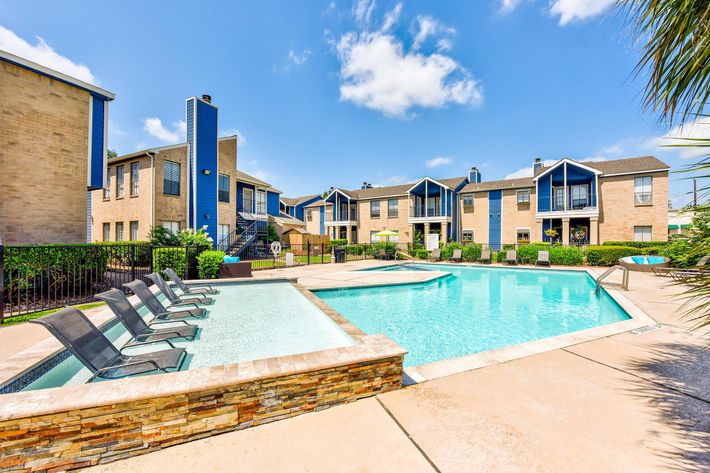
675, 38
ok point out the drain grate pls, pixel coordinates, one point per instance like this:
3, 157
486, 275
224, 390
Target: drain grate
647, 328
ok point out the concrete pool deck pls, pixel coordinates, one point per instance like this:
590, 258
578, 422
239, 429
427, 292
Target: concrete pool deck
635, 401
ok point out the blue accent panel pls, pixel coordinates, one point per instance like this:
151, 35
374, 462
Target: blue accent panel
495, 209
322, 220
546, 225
272, 203
190, 136
453, 228
240, 196
97, 143
543, 194
203, 197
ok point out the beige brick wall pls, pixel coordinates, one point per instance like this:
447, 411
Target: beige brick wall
313, 225
367, 224
517, 216
228, 165
619, 214
44, 127
478, 219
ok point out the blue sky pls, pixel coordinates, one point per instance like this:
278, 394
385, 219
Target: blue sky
335, 93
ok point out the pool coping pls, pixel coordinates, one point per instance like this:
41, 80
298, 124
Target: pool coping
435, 275
438, 369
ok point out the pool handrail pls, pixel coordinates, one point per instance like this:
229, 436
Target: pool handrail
624, 278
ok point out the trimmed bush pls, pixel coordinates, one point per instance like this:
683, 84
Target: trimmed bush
447, 251
471, 252
421, 253
607, 255
169, 258
354, 249
528, 253
566, 255
636, 244
208, 264
498, 256
339, 242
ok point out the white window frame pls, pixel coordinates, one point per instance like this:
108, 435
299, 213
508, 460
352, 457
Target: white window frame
309, 215
373, 238
372, 208
120, 179
222, 231
134, 180
467, 230
250, 199
106, 231
119, 237
643, 235
527, 229
261, 198
133, 236
172, 225
525, 192
468, 208
644, 196
395, 214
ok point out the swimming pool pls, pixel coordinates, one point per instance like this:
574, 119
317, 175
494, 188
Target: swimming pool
246, 322
476, 309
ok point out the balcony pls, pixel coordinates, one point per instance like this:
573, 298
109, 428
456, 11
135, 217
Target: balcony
433, 212
577, 206
343, 217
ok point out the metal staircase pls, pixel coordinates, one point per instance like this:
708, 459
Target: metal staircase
244, 235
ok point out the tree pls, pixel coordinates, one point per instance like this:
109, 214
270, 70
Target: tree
111, 153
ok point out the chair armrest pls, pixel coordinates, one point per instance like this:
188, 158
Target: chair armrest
126, 365
137, 344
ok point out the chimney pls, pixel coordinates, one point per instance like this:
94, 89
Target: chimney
366, 185
207, 98
537, 165
474, 176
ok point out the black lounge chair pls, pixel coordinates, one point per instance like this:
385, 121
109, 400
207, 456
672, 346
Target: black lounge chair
153, 304
191, 289
141, 331
174, 299
76, 332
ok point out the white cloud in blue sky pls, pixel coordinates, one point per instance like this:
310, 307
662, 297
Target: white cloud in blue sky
155, 128
45, 55
377, 70
568, 11
438, 161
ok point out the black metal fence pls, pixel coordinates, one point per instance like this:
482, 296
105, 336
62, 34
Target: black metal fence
42, 277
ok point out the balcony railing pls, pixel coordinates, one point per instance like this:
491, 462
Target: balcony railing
420, 211
341, 216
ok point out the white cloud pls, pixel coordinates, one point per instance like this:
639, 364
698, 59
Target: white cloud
680, 138
438, 161
362, 11
395, 180
391, 18
572, 10
241, 139
44, 54
299, 58
507, 6
330, 8
428, 26
378, 73
154, 127
444, 44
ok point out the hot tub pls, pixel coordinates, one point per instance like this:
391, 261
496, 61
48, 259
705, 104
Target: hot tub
644, 263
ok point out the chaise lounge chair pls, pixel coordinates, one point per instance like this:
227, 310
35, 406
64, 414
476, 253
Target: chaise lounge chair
153, 304
174, 299
435, 254
679, 273
485, 256
543, 258
141, 331
457, 255
76, 332
511, 257
190, 289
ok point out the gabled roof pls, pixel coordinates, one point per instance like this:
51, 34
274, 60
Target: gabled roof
450, 183
396, 191
249, 179
621, 166
541, 172
318, 203
522, 183
294, 201
158, 149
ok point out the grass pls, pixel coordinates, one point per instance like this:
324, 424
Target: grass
35, 315
300, 259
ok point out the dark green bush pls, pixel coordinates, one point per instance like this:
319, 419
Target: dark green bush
607, 255
354, 249
498, 256
679, 251
208, 264
471, 252
169, 258
447, 251
566, 255
636, 244
339, 242
528, 253
422, 253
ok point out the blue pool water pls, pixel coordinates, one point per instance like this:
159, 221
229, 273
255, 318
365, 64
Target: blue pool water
246, 322
476, 309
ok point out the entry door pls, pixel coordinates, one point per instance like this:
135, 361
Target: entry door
495, 207
248, 200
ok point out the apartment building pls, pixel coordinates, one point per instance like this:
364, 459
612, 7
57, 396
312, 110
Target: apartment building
186, 185
568, 202
53, 131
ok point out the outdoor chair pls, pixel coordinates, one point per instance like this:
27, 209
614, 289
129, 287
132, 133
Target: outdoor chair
174, 299
543, 258
457, 255
485, 256
511, 257
190, 289
435, 254
676, 273
86, 342
140, 289
138, 328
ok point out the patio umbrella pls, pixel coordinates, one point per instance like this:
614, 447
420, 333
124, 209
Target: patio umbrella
387, 234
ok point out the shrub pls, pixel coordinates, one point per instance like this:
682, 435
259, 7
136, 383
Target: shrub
354, 249
422, 253
447, 251
607, 255
208, 264
339, 242
636, 244
498, 256
679, 251
471, 252
161, 236
528, 253
195, 237
566, 255
169, 258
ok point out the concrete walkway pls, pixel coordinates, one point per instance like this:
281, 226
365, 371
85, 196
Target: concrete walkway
628, 402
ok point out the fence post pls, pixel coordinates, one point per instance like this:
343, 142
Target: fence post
322, 249
2, 282
308, 249
152, 257
187, 262
133, 262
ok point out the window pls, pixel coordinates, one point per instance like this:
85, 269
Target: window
523, 197
309, 215
119, 231
467, 203
248, 200
173, 226
134, 179
579, 196
642, 233
392, 208
107, 189
133, 227
523, 235
559, 198
119, 181
642, 190
261, 202
373, 238
222, 232
107, 232
171, 178
375, 209
467, 235
223, 188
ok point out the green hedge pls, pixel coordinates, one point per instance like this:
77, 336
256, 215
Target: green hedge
607, 255
566, 255
422, 253
208, 264
169, 258
636, 244
471, 252
339, 242
447, 251
528, 253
